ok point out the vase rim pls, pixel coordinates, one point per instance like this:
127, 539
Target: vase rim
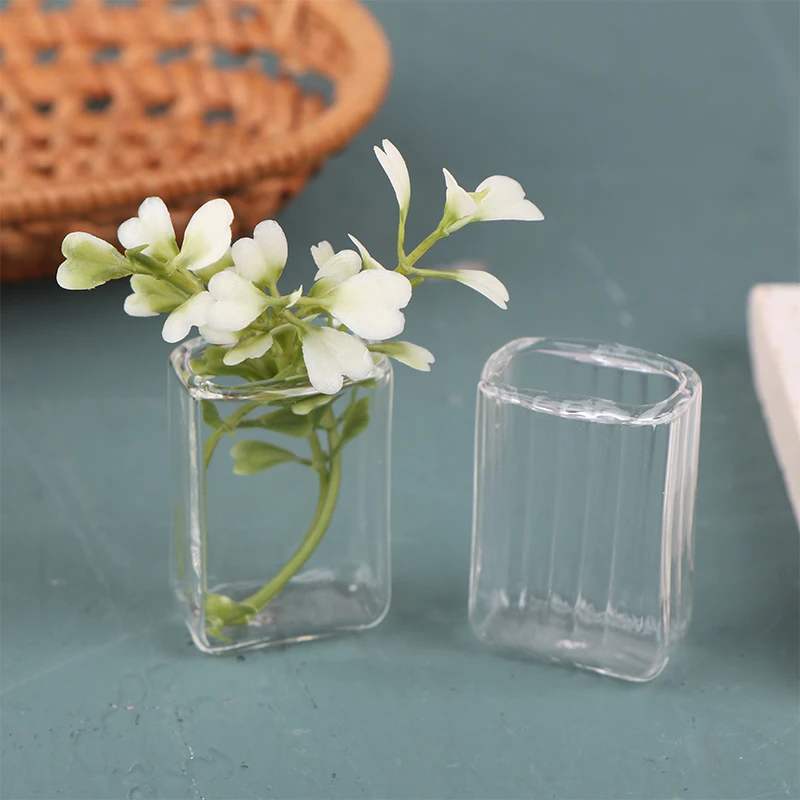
206, 387
687, 390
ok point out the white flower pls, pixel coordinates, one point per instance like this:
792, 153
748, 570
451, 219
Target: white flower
505, 199
394, 166
292, 298
412, 355
151, 297
213, 336
193, 312
330, 355
254, 347
321, 253
89, 262
369, 303
368, 261
207, 237
262, 258
236, 302
483, 282
458, 203
138, 305
152, 227
335, 267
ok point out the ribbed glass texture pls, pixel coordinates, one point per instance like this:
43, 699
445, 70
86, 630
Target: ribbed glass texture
585, 474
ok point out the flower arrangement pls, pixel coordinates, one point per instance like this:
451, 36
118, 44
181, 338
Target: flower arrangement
329, 338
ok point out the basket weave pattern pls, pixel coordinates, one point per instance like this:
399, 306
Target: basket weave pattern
106, 103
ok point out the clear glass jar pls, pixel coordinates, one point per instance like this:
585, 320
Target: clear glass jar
281, 506
585, 473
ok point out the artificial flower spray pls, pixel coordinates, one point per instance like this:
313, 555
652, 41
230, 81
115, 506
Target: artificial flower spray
299, 384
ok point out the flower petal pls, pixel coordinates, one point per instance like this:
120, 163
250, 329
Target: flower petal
506, 200
368, 261
208, 235
412, 355
213, 336
154, 214
502, 189
523, 210
394, 166
152, 227
137, 305
340, 266
483, 282
330, 354
254, 347
237, 301
250, 261
193, 312
459, 206
369, 303
292, 298
132, 233
321, 253
272, 241
159, 296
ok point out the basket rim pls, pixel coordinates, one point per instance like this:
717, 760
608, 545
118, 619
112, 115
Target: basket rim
352, 109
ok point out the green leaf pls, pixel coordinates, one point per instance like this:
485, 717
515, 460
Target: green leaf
89, 262
304, 407
211, 416
253, 456
283, 421
356, 420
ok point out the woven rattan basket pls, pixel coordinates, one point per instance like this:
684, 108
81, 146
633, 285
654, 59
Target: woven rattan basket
105, 102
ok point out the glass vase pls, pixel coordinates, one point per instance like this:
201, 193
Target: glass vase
281, 505
585, 475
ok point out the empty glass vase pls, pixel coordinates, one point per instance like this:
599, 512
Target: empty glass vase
585, 474
281, 504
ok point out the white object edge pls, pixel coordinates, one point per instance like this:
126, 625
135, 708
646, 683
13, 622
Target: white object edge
773, 327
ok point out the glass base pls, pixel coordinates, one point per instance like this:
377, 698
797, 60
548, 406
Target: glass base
614, 644
310, 607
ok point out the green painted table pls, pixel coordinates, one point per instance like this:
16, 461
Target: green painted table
661, 140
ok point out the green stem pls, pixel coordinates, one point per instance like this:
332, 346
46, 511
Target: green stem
326, 505
179, 278
184, 280
405, 264
401, 237
328, 466
317, 453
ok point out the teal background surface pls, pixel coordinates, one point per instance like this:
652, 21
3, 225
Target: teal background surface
661, 141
